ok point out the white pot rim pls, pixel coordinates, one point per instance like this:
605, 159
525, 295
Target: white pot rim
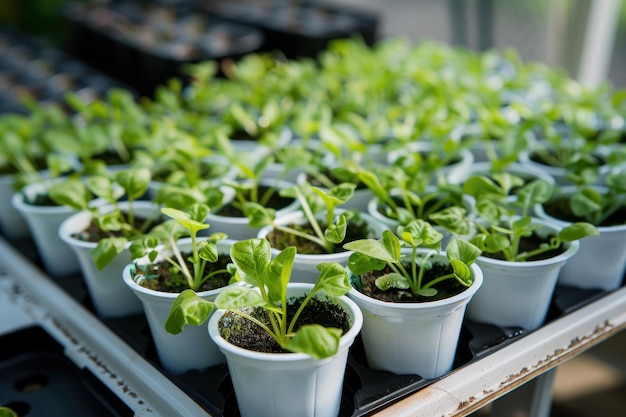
18, 201
128, 277
345, 342
243, 220
568, 190
485, 167
83, 217
465, 294
375, 226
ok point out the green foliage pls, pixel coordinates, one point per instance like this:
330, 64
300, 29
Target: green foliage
121, 225
163, 240
376, 254
312, 200
267, 280
501, 225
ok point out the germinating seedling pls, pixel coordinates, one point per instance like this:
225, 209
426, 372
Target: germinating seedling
501, 226
408, 271
312, 200
267, 281
184, 223
120, 225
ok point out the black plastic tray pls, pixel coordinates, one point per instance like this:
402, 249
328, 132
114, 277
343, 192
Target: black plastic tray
298, 28
33, 67
37, 379
365, 390
100, 34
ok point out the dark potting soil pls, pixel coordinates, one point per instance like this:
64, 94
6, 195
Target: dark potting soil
248, 335
552, 156
275, 202
41, 200
281, 240
92, 233
333, 178
163, 276
445, 289
560, 208
528, 244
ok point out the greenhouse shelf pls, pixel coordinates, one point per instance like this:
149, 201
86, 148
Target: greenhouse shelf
30, 301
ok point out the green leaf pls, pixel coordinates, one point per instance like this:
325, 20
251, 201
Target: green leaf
359, 263
237, 297
336, 233
342, 192
279, 273
189, 309
101, 186
106, 250
333, 279
577, 231
490, 243
145, 246
393, 280
419, 232
374, 248
481, 185
252, 258
462, 250
184, 219
462, 272
258, 216
315, 340
178, 197
426, 292
208, 251
536, 192
70, 193
372, 182
453, 219
198, 212
134, 181
586, 202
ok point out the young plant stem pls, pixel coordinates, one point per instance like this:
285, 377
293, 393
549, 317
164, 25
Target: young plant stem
262, 325
182, 265
306, 300
310, 216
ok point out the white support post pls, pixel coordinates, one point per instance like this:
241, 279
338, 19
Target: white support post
597, 47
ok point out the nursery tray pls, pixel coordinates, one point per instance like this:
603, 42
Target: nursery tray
144, 43
33, 68
298, 28
37, 379
365, 391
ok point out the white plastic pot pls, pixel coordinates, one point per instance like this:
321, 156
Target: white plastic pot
230, 172
600, 263
12, 223
190, 350
518, 294
57, 257
454, 172
106, 288
414, 338
288, 384
304, 267
237, 228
